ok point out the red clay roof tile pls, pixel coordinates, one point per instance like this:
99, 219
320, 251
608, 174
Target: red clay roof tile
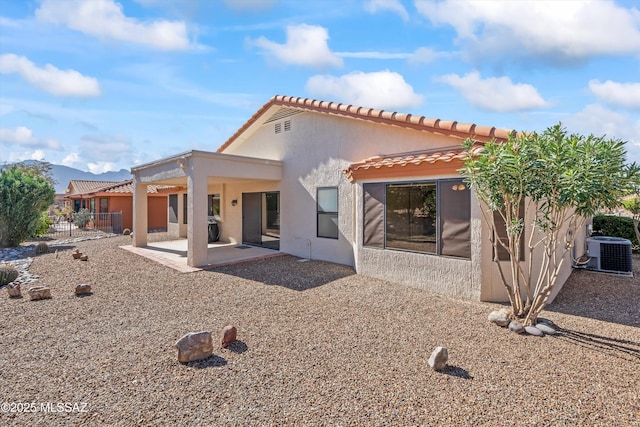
449, 128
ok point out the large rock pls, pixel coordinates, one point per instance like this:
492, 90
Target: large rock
39, 292
229, 334
516, 327
438, 359
499, 317
83, 289
546, 328
14, 290
194, 346
532, 330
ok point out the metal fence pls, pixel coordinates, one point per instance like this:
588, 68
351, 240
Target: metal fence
97, 223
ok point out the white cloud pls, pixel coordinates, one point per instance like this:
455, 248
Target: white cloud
101, 167
96, 148
50, 79
27, 155
23, 136
614, 93
71, 159
495, 93
306, 46
562, 30
394, 6
381, 89
597, 120
105, 20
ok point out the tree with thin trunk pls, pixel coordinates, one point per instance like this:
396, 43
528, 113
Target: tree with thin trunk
559, 181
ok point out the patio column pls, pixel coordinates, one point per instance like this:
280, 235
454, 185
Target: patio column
139, 213
197, 226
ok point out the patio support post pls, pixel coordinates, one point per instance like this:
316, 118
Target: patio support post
139, 213
197, 226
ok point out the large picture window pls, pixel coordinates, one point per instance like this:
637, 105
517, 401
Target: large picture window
327, 212
428, 216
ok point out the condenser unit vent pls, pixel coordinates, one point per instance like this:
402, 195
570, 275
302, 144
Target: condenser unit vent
610, 255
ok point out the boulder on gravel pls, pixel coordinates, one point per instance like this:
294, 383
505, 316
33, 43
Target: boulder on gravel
14, 290
229, 335
194, 346
39, 292
516, 327
83, 289
499, 317
546, 328
532, 330
438, 359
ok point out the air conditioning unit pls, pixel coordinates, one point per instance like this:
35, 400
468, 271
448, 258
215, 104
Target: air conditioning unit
610, 255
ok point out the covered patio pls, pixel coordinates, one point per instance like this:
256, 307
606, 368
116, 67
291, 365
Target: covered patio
195, 173
173, 254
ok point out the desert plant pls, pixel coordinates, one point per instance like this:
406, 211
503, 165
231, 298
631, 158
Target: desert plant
82, 217
564, 179
23, 198
42, 227
126, 231
42, 248
8, 274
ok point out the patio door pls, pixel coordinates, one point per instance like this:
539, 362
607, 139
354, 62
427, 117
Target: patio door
261, 219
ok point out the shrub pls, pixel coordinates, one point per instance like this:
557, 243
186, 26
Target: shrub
23, 198
8, 274
82, 218
615, 226
43, 225
42, 248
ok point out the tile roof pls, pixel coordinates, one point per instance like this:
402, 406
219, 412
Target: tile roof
444, 155
122, 187
438, 126
79, 186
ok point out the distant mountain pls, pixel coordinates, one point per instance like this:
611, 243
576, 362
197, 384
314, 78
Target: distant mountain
63, 174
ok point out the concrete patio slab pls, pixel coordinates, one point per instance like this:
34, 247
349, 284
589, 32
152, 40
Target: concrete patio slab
173, 254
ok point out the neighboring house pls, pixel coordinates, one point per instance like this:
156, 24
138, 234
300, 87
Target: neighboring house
103, 197
376, 190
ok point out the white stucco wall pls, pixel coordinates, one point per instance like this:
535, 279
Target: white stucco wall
315, 153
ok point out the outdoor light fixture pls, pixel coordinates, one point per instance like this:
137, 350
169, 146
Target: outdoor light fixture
182, 162
234, 202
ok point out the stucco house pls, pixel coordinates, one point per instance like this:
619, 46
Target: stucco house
376, 190
103, 197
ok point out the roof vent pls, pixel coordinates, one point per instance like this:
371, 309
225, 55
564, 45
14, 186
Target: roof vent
278, 127
287, 125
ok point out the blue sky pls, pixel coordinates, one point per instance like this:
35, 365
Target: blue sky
107, 84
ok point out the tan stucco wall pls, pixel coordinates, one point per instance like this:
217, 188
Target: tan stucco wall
493, 289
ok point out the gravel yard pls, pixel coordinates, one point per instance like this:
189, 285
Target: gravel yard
318, 345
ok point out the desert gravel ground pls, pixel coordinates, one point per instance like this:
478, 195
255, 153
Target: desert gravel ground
318, 345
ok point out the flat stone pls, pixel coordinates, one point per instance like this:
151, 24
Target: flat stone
84, 258
516, 327
83, 289
14, 290
545, 321
194, 346
499, 317
546, 328
532, 330
39, 292
438, 359
229, 334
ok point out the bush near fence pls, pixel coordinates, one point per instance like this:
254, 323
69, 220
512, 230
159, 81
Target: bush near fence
615, 226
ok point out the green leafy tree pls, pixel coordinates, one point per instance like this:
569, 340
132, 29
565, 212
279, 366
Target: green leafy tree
24, 196
561, 180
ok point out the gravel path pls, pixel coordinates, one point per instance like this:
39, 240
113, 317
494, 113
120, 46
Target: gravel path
317, 345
